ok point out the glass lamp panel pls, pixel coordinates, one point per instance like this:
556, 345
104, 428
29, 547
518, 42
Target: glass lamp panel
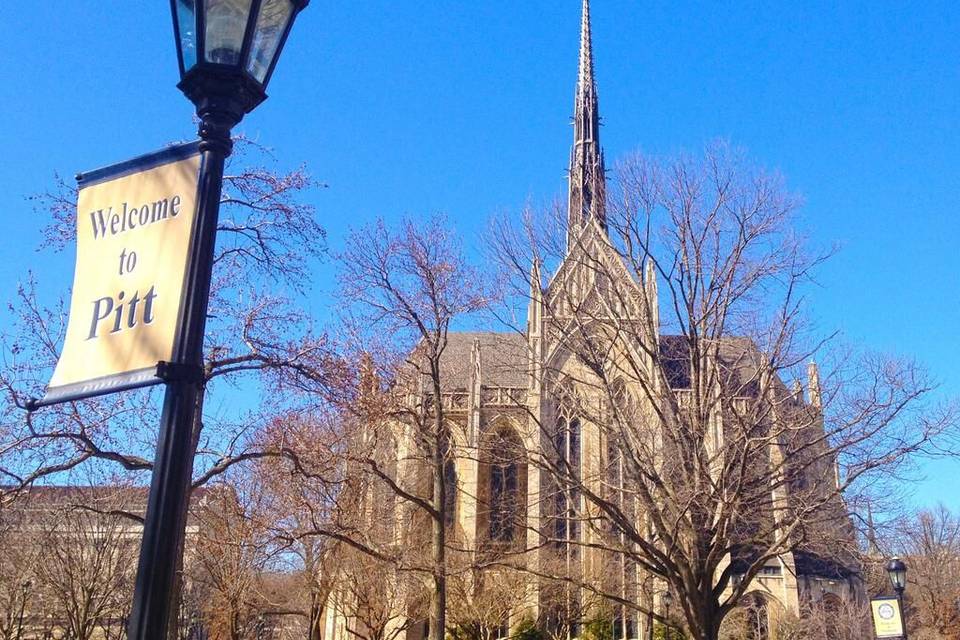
226, 22
899, 578
187, 26
271, 23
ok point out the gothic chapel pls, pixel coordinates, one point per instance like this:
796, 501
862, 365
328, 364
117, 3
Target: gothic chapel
515, 397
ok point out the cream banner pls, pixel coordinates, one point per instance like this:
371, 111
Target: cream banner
134, 226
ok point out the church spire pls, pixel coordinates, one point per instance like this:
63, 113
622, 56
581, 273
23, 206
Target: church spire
587, 179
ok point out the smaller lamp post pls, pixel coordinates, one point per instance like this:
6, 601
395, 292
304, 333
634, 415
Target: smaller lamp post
24, 587
897, 569
649, 625
667, 599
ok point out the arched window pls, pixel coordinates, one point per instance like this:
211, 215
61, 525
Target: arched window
503, 474
450, 497
622, 574
573, 459
560, 507
503, 498
758, 617
750, 620
567, 442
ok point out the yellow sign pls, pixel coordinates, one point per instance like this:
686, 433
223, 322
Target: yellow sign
887, 622
134, 225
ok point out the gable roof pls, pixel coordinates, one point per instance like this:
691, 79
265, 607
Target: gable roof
504, 360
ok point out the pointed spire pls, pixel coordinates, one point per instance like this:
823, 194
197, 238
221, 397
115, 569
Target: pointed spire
813, 385
873, 549
797, 390
585, 75
535, 327
536, 292
369, 381
650, 290
476, 372
587, 175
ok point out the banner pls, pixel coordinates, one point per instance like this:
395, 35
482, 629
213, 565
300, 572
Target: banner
134, 227
887, 621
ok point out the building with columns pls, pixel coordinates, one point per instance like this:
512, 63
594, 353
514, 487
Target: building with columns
523, 404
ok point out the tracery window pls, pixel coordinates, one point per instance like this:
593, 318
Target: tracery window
567, 442
503, 498
623, 577
450, 497
503, 475
758, 617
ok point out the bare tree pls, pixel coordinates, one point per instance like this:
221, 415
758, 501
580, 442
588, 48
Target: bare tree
482, 603
20, 554
410, 285
675, 327
89, 551
832, 618
299, 494
375, 601
229, 558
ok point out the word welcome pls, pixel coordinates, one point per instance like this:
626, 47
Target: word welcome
132, 217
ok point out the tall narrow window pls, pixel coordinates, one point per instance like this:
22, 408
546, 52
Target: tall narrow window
560, 507
573, 457
567, 440
503, 499
504, 476
450, 497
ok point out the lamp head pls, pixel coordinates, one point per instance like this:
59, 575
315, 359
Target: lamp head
227, 49
735, 580
898, 574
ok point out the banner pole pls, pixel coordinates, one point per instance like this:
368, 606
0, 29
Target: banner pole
155, 590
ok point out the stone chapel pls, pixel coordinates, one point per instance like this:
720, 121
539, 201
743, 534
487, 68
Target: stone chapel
516, 395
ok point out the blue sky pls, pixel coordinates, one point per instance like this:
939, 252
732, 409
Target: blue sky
463, 107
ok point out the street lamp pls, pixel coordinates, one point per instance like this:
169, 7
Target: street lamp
897, 569
226, 51
736, 580
667, 599
898, 575
24, 587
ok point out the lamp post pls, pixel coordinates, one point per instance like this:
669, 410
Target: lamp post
649, 625
667, 599
24, 587
226, 50
897, 570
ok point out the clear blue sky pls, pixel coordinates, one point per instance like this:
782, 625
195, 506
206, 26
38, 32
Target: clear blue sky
463, 107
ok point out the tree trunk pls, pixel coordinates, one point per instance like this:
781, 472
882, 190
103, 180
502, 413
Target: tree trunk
709, 627
438, 600
317, 606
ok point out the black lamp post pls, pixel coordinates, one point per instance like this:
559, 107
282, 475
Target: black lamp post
227, 50
649, 625
898, 578
24, 587
667, 599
